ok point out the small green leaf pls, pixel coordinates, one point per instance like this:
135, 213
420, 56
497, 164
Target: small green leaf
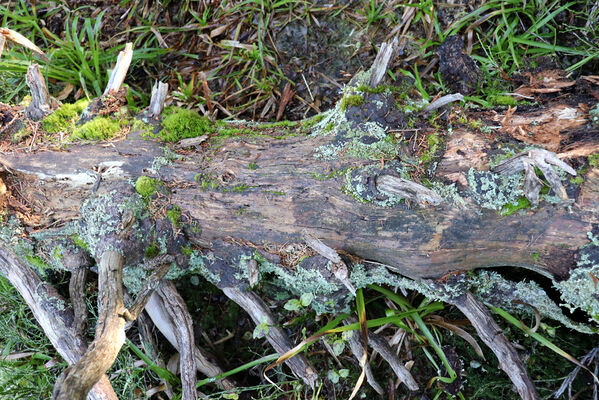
344, 373
260, 330
293, 305
338, 346
333, 376
306, 299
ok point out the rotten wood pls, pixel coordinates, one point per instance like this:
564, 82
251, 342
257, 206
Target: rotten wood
55, 320
77, 380
41, 102
184, 337
159, 92
491, 334
415, 242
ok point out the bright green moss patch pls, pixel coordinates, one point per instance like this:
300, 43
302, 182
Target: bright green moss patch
351, 100
174, 215
594, 160
502, 100
65, 117
152, 251
179, 123
146, 186
99, 128
79, 242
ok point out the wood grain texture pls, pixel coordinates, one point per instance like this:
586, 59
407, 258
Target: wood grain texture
57, 321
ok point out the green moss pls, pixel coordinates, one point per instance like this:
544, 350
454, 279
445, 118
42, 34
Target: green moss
434, 141
187, 250
275, 192
179, 123
502, 100
21, 134
99, 128
146, 186
536, 256
64, 118
79, 242
577, 180
351, 100
152, 251
174, 215
594, 160
252, 166
206, 182
142, 127
378, 89
37, 263
329, 127
312, 121
240, 188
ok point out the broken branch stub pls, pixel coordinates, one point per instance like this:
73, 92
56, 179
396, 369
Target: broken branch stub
543, 160
381, 63
408, 190
41, 102
117, 77
159, 91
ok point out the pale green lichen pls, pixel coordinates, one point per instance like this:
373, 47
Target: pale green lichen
579, 291
296, 283
449, 193
197, 265
494, 191
368, 140
594, 115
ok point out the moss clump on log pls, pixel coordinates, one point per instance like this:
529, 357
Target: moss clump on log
179, 123
65, 117
146, 186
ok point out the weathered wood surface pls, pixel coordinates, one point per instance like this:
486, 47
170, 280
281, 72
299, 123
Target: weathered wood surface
286, 194
492, 335
77, 380
57, 321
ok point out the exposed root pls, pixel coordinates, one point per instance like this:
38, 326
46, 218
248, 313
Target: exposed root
491, 334
160, 313
52, 316
276, 336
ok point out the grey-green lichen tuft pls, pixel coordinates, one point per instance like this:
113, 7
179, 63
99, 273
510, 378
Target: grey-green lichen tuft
579, 291
494, 191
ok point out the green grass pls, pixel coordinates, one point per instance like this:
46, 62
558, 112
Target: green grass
25, 376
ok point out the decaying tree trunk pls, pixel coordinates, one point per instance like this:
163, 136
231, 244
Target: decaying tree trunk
241, 208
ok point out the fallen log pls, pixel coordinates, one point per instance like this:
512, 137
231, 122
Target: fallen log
243, 202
